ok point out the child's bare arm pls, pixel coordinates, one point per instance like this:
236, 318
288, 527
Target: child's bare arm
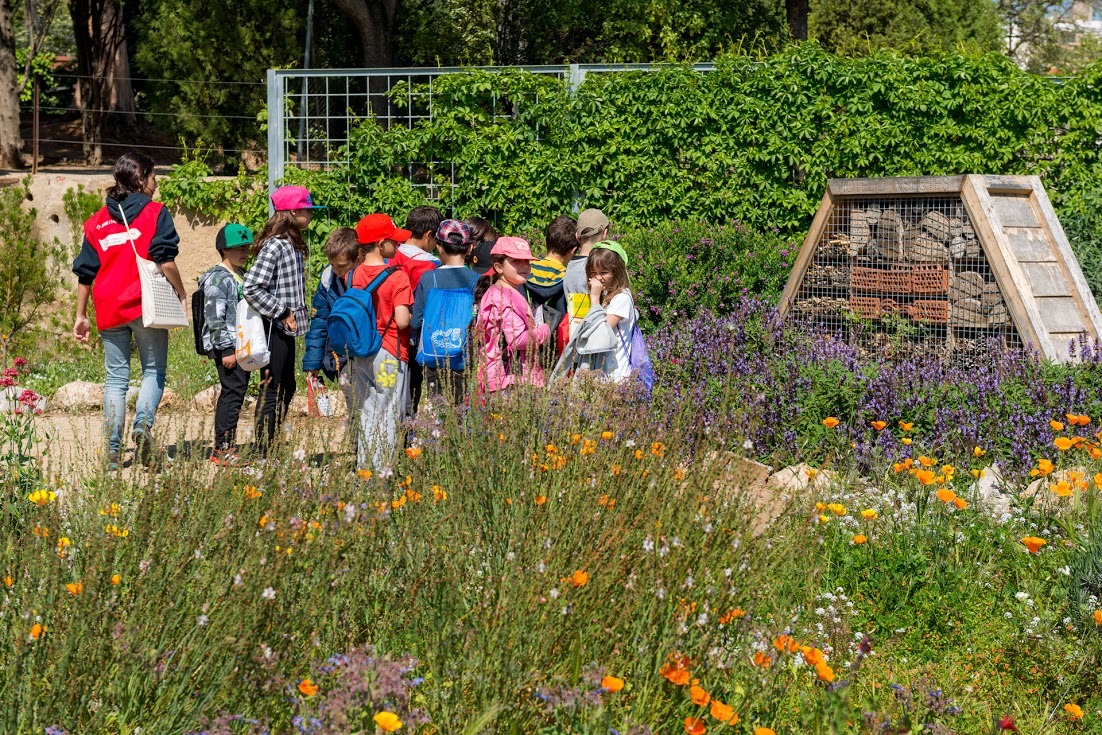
402, 316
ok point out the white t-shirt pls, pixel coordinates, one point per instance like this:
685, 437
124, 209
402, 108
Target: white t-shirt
619, 362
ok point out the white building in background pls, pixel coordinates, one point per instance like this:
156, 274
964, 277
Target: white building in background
1068, 23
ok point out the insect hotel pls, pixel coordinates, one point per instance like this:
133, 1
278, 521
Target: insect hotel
954, 265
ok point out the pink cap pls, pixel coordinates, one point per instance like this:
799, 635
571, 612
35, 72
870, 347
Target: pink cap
513, 247
286, 198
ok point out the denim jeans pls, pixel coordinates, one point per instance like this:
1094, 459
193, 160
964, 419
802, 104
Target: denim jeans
153, 355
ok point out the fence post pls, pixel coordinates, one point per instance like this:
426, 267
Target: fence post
34, 147
275, 134
577, 76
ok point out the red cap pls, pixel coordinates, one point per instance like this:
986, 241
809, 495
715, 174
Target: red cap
378, 227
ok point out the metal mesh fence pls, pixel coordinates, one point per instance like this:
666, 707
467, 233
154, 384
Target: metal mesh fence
312, 113
902, 276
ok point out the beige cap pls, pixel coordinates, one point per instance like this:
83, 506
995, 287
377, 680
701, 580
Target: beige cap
591, 222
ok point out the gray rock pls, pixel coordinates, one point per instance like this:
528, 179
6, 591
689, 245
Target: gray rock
80, 395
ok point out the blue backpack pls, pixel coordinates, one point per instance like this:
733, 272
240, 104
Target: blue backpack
448, 315
352, 324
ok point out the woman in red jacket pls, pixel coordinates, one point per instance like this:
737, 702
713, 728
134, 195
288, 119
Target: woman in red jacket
107, 271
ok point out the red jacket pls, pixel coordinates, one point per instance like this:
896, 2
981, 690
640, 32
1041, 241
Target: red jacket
116, 291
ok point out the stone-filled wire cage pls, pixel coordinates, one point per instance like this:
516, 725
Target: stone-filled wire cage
952, 266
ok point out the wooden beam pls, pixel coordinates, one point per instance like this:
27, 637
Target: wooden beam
903, 185
1012, 281
807, 251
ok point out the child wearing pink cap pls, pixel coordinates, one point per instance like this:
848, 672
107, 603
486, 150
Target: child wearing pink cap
505, 320
276, 287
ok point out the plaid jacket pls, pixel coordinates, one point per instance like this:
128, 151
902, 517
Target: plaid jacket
276, 284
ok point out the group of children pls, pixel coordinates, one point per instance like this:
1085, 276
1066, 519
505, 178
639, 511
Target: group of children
400, 315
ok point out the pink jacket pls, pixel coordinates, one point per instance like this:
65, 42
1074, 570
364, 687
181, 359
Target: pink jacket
504, 313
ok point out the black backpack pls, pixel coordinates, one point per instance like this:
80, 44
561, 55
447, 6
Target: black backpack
199, 319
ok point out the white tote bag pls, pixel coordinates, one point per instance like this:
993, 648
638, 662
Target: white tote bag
252, 343
161, 307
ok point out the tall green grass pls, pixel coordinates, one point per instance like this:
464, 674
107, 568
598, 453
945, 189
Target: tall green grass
520, 553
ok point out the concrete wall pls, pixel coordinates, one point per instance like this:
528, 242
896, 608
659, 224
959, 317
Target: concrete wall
197, 252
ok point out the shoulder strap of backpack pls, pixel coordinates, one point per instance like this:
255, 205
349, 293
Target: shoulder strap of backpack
380, 279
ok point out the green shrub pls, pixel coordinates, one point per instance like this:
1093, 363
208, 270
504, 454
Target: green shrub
28, 277
679, 268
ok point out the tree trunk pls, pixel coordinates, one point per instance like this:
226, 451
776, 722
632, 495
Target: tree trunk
98, 31
122, 91
11, 141
375, 22
796, 11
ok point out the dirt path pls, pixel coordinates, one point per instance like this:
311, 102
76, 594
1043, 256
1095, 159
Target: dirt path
73, 445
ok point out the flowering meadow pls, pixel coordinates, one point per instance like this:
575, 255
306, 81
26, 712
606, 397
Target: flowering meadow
588, 561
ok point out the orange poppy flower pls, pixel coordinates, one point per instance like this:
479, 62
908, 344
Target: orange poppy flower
906, 441
580, 578
860, 539
978, 452
946, 495
906, 425
760, 659
680, 677
1033, 543
879, 425
606, 435
724, 712
387, 721
978, 473
813, 656
9, 582
926, 477
824, 672
37, 630
1075, 712
786, 643
541, 499
364, 474
1063, 443
764, 731
1062, 488
612, 684
658, 449
699, 696
1056, 425
307, 687
695, 726
869, 514
75, 588
927, 461
830, 422
1097, 617
731, 615
413, 452
960, 503
116, 579
837, 509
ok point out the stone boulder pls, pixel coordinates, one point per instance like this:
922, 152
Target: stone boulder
80, 395
206, 399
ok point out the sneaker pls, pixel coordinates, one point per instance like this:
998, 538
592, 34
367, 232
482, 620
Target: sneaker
226, 458
113, 462
144, 452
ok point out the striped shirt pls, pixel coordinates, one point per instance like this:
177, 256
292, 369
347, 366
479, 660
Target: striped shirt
546, 272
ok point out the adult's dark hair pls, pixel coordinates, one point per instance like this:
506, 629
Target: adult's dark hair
560, 236
132, 170
481, 230
423, 219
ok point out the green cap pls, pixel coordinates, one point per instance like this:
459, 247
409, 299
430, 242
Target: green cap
233, 236
614, 247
